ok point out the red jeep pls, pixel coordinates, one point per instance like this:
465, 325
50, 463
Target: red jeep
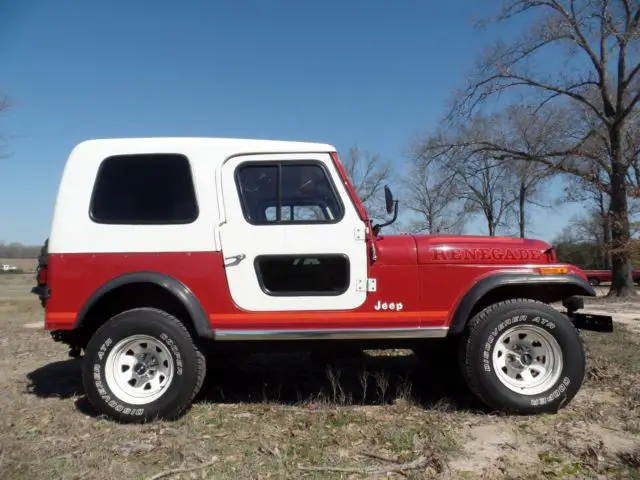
162, 247
596, 277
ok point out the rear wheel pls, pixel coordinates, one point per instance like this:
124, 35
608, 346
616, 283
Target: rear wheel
523, 356
142, 365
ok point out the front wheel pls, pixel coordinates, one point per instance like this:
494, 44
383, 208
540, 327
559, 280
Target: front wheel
523, 356
142, 365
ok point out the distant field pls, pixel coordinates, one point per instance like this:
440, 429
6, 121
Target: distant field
26, 264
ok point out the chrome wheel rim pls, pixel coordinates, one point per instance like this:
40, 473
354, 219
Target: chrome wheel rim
139, 369
527, 359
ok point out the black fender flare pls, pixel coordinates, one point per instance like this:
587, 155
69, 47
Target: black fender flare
170, 284
487, 284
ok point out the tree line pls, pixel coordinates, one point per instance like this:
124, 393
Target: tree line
18, 250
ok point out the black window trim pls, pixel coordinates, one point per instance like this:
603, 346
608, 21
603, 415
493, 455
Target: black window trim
257, 259
278, 163
144, 222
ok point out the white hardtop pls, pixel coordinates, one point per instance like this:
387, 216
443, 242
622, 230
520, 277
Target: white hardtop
222, 147
73, 231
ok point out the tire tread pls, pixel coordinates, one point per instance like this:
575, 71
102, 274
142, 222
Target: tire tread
470, 337
200, 365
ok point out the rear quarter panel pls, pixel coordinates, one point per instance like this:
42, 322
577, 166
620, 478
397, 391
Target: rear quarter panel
73, 278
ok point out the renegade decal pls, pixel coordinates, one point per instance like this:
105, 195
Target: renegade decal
488, 254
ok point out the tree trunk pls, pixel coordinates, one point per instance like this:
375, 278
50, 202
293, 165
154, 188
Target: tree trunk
622, 282
606, 236
521, 199
492, 227
605, 243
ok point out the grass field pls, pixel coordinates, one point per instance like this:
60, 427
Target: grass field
283, 416
25, 264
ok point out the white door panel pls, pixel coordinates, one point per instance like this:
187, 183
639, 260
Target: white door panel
242, 242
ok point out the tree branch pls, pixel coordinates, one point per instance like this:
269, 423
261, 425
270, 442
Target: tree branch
419, 463
175, 471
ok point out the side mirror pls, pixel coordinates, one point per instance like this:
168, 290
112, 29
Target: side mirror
388, 198
391, 206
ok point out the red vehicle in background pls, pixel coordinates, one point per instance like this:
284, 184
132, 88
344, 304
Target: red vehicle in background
596, 277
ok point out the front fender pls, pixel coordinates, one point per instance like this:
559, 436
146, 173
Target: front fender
555, 287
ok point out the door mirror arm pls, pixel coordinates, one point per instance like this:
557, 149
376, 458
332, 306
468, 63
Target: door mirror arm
376, 228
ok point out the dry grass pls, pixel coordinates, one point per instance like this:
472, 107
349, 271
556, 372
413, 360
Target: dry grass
284, 416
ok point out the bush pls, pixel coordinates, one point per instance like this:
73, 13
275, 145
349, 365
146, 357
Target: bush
584, 255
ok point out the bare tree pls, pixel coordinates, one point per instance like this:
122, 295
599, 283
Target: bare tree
430, 192
530, 133
520, 130
529, 182
605, 33
369, 174
597, 203
482, 182
631, 149
580, 241
487, 186
584, 228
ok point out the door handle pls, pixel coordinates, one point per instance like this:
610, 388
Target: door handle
234, 260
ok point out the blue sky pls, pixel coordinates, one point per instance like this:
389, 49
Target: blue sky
371, 74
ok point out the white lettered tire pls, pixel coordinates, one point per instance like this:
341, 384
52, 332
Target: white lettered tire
142, 365
522, 356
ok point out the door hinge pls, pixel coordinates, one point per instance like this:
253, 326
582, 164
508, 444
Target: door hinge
359, 233
368, 285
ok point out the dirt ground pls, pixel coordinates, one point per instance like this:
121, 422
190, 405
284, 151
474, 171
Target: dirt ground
283, 416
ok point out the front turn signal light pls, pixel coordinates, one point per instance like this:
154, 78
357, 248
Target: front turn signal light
554, 270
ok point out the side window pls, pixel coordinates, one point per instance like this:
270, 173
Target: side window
144, 189
288, 275
284, 193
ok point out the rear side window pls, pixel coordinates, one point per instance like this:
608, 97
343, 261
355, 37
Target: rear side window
151, 189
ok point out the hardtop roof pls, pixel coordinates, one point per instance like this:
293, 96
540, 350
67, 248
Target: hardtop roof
226, 144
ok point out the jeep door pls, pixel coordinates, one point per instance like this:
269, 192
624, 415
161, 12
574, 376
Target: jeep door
291, 237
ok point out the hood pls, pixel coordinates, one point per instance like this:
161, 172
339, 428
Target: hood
481, 250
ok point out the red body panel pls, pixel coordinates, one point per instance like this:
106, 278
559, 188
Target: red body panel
408, 271
74, 278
